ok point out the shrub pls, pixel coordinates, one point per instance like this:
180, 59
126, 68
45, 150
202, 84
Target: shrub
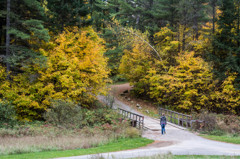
229, 123
132, 132
217, 132
64, 113
118, 78
218, 124
4, 132
110, 100
99, 116
7, 114
210, 121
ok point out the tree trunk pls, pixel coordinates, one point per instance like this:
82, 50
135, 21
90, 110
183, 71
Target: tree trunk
238, 23
183, 40
150, 4
213, 12
213, 21
8, 37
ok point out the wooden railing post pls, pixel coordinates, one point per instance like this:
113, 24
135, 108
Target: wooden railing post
177, 118
186, 121
182, 120
136, 120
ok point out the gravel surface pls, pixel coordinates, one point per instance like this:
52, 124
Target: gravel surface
177, 141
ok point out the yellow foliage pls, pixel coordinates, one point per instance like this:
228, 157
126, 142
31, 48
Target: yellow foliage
76, 66
188, 86
166, 45
76, 69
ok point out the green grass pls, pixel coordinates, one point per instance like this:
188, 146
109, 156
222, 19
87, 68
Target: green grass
170, 156
120, 144
205, 157
223, 138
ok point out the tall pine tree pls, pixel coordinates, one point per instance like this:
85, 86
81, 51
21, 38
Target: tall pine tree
24, 26
226, 54
63, 13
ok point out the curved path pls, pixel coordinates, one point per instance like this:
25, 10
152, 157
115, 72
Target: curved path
176, 141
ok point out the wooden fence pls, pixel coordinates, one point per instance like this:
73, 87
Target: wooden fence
136, 119
177, 118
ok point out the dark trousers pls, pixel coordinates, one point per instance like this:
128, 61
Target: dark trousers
163, 129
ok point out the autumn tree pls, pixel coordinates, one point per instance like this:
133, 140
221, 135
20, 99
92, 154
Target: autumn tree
166, 46
75, 70
185, 87
76, 66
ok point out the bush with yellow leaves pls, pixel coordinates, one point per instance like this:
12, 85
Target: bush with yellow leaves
187, 85
76, 69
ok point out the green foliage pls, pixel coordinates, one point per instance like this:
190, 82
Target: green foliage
99, 117
114, 50
118, 79
8, 116
70, 115
64, 113
62, 14
216, 133
27, 33
226, 41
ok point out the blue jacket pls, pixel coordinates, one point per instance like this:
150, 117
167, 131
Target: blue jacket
163, 120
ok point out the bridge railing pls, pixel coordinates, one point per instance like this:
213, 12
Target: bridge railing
136, 119
177, 118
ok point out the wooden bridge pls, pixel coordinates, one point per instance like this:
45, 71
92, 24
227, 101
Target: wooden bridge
136, 120
174, 117
179, 118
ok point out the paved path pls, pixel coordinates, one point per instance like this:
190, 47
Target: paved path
176, 141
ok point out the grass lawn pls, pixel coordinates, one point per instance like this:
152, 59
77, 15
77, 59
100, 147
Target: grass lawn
205, 157
120, 144
170, 156
223, 138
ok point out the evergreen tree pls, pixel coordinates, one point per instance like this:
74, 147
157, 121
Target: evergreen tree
63, 13
185, 19
237, 26
8, 35
213, 4
114, 50
26, 30
226, 55
152, 17
170, 12
199, 16
104, 12
2, 27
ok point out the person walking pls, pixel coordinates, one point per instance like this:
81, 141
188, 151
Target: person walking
163, 123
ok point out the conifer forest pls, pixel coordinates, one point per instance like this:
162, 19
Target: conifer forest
184, 54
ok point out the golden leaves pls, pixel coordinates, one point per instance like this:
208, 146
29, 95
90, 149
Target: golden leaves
76, 69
